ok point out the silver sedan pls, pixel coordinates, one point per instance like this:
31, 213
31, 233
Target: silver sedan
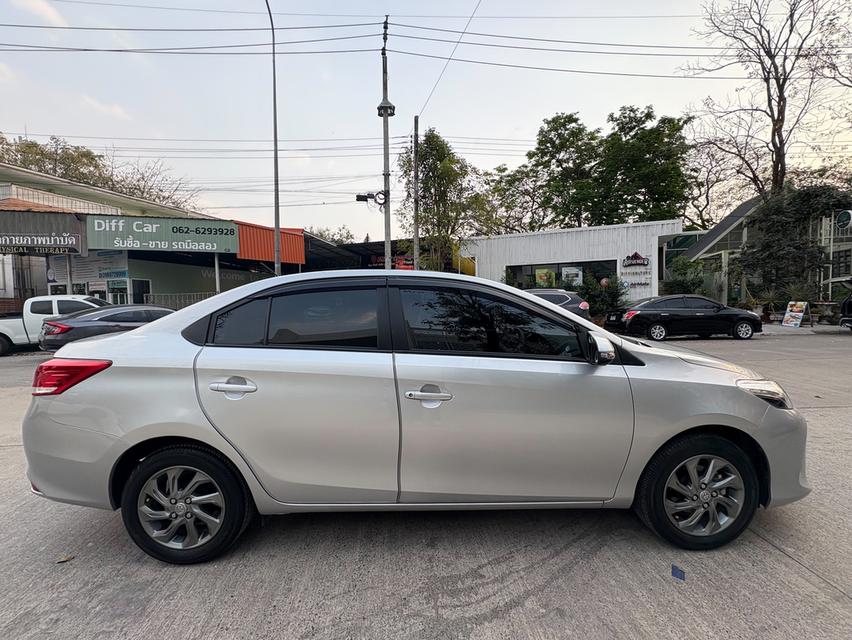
393, 390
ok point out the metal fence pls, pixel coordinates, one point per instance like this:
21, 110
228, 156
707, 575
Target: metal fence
177, 300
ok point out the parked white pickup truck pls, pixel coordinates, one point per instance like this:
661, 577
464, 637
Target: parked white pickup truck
23, 329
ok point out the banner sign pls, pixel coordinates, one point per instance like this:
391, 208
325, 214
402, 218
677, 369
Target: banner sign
40, 233
98, 265
795, 313
162, 234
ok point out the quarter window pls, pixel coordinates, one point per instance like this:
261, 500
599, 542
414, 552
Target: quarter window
336, 318
243, 325
462, 320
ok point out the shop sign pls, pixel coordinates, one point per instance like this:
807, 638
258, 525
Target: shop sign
98, 265
843, 219
40, 233
795, 314
162, 234
636, 260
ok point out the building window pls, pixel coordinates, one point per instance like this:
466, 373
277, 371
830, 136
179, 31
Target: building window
558, 275
841, 263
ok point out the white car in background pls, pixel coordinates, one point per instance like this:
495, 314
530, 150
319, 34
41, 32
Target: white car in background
20, 329
395, 390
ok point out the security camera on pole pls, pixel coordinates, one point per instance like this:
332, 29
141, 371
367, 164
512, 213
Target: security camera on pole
386, 110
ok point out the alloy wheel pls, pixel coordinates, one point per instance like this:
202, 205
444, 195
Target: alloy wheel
657, 331
704, 495
180, 507
744, 330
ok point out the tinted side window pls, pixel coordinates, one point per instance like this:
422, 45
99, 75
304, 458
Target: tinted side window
555, 298
343, 318
700, 303
126, 316
243, 325
42, 307
669, 303
468, 321
156, 314
70, 306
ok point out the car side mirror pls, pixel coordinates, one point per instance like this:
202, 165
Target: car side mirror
601, 350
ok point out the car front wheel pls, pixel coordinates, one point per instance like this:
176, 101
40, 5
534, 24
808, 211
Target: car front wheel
184, 504
743, 330
698, 492
657, 331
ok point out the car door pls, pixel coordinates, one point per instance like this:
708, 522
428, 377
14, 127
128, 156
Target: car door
498, 402
301, 382
706, 316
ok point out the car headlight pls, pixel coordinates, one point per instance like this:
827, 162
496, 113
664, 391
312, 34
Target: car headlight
767, 390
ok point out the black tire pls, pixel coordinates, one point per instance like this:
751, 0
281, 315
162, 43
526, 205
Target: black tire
650, 492
743, 330
704, 336
238, 506
5, 345
658, 329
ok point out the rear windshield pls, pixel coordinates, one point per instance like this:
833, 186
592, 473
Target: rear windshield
97, 301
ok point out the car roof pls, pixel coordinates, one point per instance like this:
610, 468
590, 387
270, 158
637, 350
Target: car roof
114, 308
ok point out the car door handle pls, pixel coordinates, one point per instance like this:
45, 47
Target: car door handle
664, 314
231, 387
699, 314
428, 395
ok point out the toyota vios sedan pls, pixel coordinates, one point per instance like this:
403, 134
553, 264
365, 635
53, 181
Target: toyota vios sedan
389, 390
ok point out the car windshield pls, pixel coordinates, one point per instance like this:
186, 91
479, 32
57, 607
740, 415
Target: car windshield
97, 301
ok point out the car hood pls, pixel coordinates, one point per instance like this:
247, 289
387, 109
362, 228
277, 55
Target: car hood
641, 348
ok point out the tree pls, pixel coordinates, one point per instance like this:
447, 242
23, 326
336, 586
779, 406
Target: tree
781, 251
563, 163
603, 297
642, 174
781, 45
687, 277
341, 235
451, 197
149, 181
516, 199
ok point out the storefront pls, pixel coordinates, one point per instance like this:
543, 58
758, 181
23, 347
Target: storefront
562, 258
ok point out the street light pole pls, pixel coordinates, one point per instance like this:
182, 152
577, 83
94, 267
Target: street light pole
386, 110
277, 239
416, 225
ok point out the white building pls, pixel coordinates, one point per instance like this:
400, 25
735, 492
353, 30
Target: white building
561, 258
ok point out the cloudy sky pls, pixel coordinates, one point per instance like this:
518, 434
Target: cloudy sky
209, 116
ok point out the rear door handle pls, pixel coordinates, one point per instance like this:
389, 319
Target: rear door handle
428, 395
231, 387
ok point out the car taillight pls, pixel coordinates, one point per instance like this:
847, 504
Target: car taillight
629, 315
54, 328
58, 375
584, 305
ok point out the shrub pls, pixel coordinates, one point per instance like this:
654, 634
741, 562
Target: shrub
603, 298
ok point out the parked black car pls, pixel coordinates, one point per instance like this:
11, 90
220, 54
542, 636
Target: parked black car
659, 318
60, 330
846, 307
569, 300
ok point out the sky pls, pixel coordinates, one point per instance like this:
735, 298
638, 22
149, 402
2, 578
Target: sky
210, 116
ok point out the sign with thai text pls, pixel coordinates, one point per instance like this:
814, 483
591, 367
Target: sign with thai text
40, 233
161, 234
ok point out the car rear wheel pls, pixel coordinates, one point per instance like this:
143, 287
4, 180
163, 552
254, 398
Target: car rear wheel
743, 330
698, 492
657, 331
5, 345
184, 504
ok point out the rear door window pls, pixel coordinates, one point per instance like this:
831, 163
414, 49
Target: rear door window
244, 325
42, 308
701, 304
342, 318
134, 315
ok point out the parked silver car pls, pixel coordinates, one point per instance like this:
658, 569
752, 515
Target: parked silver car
393, 390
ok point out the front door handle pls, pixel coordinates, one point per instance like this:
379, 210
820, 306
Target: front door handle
427, 396
235, 385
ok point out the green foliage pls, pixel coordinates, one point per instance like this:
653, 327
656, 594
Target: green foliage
451, 197
780, 251
341, 235
687, 277
149, 181
576, 176
603, 298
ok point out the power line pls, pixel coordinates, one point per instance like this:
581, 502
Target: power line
254, 140
186, 29
177, 50
446, 64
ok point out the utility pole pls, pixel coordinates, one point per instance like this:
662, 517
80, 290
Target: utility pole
277, 239
416, 225
386, 110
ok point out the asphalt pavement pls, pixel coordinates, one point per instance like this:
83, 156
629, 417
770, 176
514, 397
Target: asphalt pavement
70, 572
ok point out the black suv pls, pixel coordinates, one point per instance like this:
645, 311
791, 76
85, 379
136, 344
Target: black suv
679, 315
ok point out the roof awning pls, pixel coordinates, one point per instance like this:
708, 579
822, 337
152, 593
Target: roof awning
257, 242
